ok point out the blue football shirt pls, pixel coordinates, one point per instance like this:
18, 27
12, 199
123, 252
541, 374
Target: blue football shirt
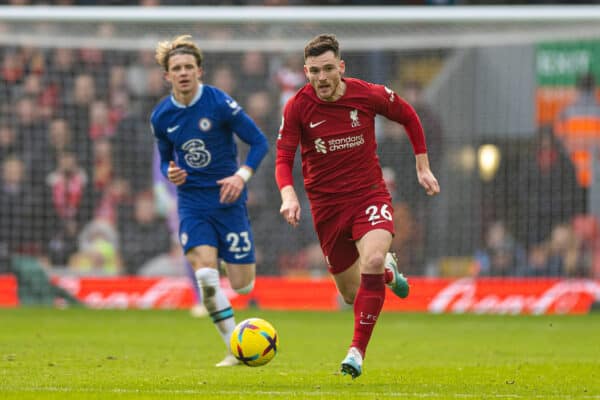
200, 139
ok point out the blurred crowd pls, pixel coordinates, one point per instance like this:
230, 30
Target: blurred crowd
78, 193
76, 155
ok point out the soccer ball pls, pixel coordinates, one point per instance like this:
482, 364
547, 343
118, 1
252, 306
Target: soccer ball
254, 342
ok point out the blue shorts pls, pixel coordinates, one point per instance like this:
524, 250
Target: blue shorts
228, 229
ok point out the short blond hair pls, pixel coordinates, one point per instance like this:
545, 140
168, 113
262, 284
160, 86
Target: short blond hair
181, 44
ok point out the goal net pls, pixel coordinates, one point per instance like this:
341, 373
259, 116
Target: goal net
506, 96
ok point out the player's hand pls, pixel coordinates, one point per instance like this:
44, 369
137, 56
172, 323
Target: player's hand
290, 211
176, 174
231, 188
428, 181
290, 206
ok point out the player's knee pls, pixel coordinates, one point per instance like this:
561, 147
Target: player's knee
373, 263
245, 289
207, 277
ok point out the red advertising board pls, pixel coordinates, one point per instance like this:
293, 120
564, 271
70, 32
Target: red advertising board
8, 291
435, 295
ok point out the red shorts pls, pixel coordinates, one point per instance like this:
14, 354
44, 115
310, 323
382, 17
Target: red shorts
339, 227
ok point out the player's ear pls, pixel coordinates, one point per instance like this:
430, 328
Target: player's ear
342, 67
166, 76
306, 71
199, 73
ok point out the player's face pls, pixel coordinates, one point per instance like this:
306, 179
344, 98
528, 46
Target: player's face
324, 72
183, 74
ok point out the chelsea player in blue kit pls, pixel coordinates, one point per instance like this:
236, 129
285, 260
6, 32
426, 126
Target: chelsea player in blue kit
194, 129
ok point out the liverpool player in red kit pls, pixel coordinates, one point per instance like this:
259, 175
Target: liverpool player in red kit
333, 119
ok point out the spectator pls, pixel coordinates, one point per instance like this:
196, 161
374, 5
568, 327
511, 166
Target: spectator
31, 131
253, 75
145, 233
578, 126
77, 111
548, 192
132, 145
58, 140
223, 77
501, 254
19, 211
61, 69
12, 73
289, 78
101, 125
103, 168
171, 263
564, 256
8, 141
98, 251
68, 209
587, 230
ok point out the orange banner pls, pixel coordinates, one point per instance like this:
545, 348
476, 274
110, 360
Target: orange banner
435, 295
8, 291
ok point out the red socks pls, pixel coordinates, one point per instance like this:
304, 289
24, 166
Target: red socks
367, 306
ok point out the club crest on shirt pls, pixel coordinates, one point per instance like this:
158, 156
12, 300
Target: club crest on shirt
204, 124
354, 118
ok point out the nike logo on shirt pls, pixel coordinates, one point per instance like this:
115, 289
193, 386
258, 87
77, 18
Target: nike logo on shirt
239, 256
171, 129
377, 222
315, 124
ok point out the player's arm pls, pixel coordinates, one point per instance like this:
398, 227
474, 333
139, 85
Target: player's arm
394, 107
290, 206
287, 142
245, 128
250, 134
425, 176
168, 167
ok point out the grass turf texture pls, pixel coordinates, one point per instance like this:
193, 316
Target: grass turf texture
100, 354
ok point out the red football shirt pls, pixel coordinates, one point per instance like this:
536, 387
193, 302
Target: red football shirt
337, 139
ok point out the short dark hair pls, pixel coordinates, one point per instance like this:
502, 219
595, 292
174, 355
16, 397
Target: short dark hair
321, 44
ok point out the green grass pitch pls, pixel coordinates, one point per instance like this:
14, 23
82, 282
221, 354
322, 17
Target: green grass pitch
134, 354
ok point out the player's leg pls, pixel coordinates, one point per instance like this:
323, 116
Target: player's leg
200, 240
237, 248
198, 310
241, 277
372, 248
204, 261
347, 282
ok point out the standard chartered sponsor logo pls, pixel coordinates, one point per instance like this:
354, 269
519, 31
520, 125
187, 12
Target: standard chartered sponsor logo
345, 143
320, 146
338, 144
